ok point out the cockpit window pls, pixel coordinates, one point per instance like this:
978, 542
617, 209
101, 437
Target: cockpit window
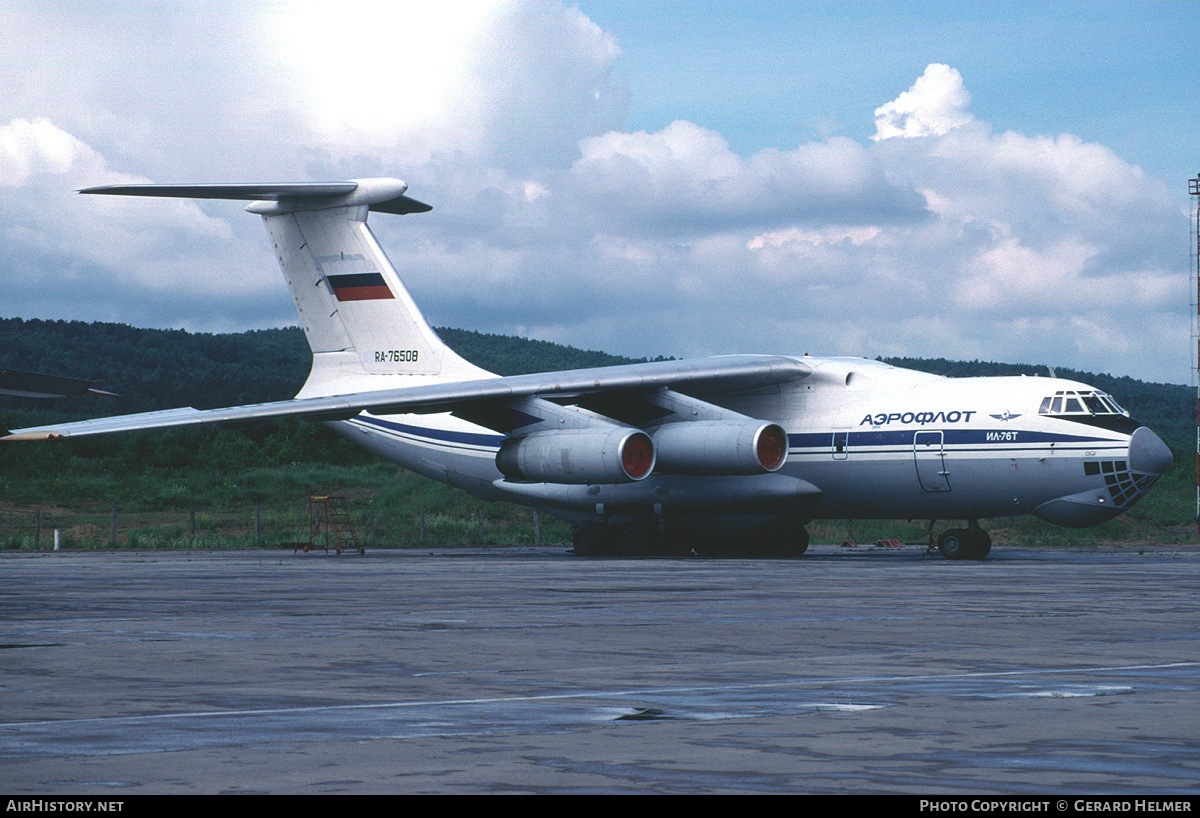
1080, 403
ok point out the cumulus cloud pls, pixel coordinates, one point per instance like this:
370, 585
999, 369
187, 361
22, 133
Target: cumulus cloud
937, 237
29, 147
517, 83
935, 105
685, 178
64, 251
1043, 247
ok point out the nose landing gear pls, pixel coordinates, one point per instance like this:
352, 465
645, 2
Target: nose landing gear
971, 543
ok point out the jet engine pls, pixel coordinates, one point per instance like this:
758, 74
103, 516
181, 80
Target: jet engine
716, 447
612, 454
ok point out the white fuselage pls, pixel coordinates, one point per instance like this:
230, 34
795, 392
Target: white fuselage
866, 440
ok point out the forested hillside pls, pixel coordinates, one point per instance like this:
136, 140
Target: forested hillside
162, 369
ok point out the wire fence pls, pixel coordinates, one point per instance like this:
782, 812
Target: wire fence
53, 528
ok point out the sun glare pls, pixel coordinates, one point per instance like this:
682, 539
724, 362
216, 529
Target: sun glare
380, 68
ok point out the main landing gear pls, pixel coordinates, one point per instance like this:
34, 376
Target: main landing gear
638, 540
971, 543
648, 540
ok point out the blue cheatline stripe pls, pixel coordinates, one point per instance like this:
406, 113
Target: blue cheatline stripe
445, 435
952, 437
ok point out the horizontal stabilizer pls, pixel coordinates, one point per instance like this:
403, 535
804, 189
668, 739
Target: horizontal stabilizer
383, 195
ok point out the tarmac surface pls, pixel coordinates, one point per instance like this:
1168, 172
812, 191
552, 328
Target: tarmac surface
527, 670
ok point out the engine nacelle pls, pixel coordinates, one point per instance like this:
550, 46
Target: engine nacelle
717, 447
599, 455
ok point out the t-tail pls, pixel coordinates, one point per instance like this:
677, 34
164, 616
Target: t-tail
364, 329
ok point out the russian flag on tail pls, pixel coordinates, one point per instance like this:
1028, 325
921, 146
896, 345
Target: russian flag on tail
359, 287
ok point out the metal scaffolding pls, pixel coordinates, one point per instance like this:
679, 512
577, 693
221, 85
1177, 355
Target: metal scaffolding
328, 523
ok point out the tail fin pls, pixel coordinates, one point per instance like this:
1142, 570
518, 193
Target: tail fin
364, 329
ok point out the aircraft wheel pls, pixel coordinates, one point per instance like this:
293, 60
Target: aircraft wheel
588, 540
641, 541
981, 544
955, 544
792, 543
677, 544
785, 538
799, 543
711, 545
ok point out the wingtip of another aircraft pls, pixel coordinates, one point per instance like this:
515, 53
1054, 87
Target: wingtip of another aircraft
31, 435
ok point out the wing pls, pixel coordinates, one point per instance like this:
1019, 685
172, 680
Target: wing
702, 376
37, 385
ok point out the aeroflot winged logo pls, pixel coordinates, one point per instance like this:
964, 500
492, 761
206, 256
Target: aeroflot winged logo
1006, 416
359, 287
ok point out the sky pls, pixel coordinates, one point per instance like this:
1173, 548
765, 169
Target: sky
999, 181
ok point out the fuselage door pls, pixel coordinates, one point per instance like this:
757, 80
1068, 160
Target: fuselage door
841, 445
930, 456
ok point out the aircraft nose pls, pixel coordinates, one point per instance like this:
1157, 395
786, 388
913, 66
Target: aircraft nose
1147, 453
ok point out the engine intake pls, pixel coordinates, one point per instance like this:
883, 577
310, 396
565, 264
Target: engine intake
715, 447
606, 455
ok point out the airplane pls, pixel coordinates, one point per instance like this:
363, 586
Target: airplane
24, 384
727, 454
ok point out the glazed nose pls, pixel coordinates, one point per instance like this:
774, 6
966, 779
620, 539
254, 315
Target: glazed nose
1147, 453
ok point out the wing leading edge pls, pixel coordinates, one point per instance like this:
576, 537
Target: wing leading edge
694, 377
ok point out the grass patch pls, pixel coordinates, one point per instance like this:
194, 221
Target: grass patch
256, 507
